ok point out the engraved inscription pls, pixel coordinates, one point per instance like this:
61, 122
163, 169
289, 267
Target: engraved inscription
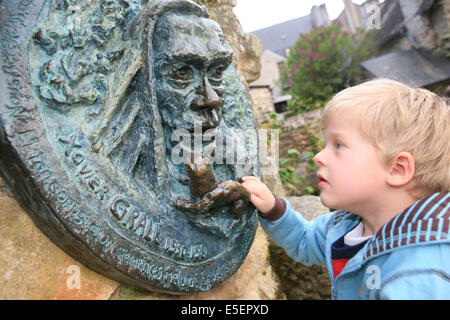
141, 224
66, 205
11, 51
194, 253
85, 171
135, 220
171, 275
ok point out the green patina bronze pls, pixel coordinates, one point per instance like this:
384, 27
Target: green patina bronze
100, 102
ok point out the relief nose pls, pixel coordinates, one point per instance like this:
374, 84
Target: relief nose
208, 98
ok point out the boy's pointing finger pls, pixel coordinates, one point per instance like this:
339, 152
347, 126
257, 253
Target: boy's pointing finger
249, 178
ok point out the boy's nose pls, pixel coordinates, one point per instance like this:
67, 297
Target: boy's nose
318, 159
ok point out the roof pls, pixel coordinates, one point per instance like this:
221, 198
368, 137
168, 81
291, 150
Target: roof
412, 67
279, 37
282, 99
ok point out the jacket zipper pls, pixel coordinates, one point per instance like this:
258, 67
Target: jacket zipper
333, 280
331, 274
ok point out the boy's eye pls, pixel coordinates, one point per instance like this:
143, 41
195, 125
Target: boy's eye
339, 145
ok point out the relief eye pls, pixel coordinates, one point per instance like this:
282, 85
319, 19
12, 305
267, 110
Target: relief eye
216, 73
182, 74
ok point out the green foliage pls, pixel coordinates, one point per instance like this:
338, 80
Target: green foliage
323, 62
315, 144
272, 124
289, 178
292, 159
293, 153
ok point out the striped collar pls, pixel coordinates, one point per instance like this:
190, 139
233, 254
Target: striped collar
427, 220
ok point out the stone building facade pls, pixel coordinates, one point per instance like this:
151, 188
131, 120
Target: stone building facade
420, 24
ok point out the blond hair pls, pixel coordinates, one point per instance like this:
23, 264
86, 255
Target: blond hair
395, 118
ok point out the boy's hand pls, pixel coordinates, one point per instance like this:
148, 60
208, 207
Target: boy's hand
261, 197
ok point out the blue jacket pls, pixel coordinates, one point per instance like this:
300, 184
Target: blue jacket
408, 258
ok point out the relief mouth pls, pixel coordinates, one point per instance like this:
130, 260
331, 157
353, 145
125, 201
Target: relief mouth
207, 118
212, 119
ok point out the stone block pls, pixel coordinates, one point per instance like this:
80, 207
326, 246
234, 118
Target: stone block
32, 267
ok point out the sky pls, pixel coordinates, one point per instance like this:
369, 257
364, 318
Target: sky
258, 14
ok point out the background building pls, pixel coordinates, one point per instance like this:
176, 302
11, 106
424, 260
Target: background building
279, 38
414, 43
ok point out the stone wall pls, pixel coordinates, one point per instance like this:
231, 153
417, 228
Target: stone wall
440, 22
247, 48
262, 102
296, 130
33, 267
298, 281
429, 30
301, 132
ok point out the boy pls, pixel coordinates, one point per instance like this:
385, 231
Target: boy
385, 169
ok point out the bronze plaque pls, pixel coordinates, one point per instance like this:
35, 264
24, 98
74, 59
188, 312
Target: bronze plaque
124, 131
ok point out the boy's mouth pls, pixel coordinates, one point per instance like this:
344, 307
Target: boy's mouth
322, 180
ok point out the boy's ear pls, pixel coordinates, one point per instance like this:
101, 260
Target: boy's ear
402, 169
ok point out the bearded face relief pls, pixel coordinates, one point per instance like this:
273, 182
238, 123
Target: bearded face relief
91, 99
190, 58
